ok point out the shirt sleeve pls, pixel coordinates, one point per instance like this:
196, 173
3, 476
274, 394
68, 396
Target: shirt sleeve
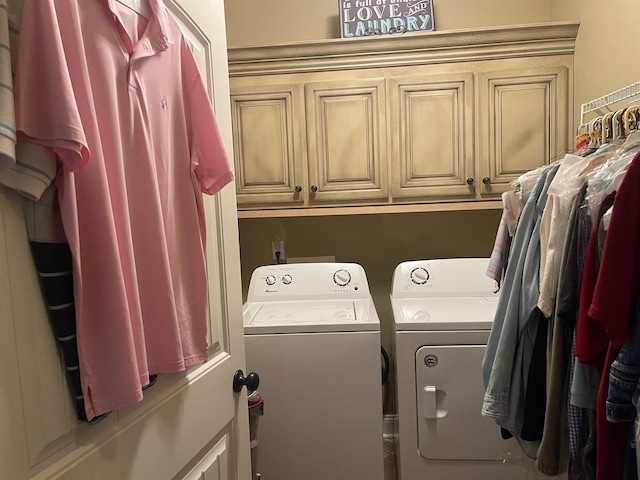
209, 159
548, 234
46, 108
34, 171
617, 288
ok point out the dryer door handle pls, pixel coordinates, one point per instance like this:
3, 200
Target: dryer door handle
429, 399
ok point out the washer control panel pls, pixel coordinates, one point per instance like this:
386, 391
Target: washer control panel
307, 281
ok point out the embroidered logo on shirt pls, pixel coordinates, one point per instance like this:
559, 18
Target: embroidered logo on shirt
163, 103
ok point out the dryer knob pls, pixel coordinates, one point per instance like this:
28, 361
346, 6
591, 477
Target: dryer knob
271, 280
287, 279
419, 276
342, 277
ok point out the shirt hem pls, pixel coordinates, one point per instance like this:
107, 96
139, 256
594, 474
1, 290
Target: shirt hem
29, 186
492, 407
176, 367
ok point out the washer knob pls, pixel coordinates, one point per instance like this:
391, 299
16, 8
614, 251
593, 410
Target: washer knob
419, 276
342, 277
287, 279
271, 279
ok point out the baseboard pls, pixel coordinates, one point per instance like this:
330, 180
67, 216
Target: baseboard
389, 425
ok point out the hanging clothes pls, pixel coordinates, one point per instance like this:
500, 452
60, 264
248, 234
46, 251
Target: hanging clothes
132, 124
7, 121
589, 284
511, 343
31, 174
616, 292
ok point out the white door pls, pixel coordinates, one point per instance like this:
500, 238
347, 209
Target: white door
189, 425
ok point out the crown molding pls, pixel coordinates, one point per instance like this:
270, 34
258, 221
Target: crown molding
405, 49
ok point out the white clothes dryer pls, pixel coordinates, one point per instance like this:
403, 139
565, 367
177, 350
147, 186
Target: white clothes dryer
312, 333
443, 311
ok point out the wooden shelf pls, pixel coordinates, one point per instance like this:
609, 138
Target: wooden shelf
369, 210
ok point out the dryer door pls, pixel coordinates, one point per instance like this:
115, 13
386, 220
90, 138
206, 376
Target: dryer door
449, 392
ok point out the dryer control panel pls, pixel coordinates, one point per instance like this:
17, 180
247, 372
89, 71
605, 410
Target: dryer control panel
306, 281
457, 277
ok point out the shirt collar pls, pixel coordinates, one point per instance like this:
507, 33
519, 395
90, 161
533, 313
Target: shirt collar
163, 34
159, 30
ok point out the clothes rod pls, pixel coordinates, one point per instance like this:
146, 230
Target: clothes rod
617, 96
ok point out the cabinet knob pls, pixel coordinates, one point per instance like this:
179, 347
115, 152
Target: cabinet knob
470, 181
486, 180
314, 188
298, 189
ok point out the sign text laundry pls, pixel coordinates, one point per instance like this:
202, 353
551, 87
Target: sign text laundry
378, 17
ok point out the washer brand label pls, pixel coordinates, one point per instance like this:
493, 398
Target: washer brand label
431, 360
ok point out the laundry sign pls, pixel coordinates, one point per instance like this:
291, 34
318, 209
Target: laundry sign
360, 18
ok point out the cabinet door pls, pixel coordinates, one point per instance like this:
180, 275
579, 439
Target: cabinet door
523, 123
267, 141
347, 140
432, 136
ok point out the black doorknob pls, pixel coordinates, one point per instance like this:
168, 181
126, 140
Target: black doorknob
298, 189
486, 180
314, 188
252, 380
470, 181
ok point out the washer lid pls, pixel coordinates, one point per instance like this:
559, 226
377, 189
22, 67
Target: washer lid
310, 316
461, 313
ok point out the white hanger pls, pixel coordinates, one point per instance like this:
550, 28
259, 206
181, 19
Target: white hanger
141, 7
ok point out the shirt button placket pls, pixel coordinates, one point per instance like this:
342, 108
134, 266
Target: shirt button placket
130, 78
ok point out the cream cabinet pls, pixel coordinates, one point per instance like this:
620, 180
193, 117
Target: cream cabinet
432, 136
468, 135
268, 142
311, 144
523, 122
424, 119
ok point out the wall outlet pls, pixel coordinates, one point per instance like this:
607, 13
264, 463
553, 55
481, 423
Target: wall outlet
278, 246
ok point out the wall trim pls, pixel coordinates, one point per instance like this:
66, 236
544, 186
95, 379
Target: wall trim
517, 41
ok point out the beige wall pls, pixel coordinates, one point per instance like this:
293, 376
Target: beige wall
604, 48
256, 22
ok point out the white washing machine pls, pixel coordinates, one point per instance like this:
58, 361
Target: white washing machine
443, 311
312, 333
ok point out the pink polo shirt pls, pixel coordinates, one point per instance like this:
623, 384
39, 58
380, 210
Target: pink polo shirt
119, 99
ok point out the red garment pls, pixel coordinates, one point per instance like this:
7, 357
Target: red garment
591, 337
616, 289
618, 285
